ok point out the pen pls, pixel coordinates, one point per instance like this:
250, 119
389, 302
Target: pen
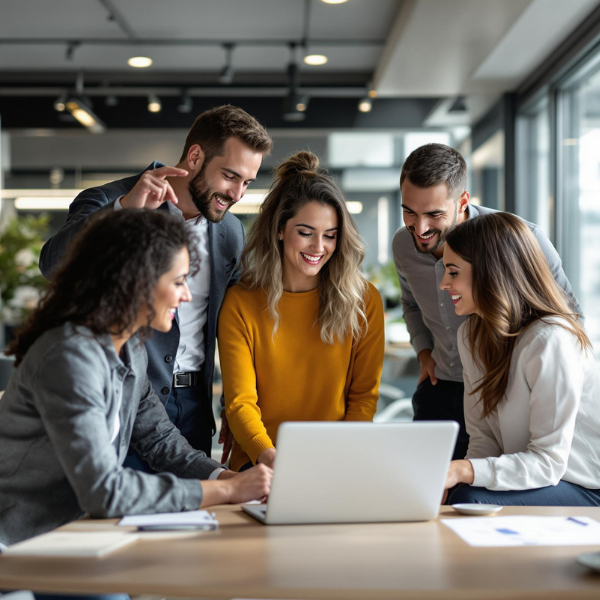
577, 521
206, 527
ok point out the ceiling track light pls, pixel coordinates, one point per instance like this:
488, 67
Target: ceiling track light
71, 47
227, 73
59, 103
365, 104
294, 104
82, 111
185, 103
154, 104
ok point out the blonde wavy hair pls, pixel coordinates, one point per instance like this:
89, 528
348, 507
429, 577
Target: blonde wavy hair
342, 287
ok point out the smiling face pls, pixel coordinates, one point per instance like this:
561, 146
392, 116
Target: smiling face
170, 291
430, 213
458, 281
308, 240
222, 182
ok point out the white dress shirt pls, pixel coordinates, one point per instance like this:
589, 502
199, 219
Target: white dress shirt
548, 426
192, 316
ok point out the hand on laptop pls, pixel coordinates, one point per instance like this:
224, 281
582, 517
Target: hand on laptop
267, 457
460, 471
235, 488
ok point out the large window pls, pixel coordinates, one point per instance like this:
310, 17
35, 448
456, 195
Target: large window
578, 188
533, 198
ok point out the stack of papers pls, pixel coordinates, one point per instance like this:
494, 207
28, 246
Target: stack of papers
193, 519
526, 531
72, 544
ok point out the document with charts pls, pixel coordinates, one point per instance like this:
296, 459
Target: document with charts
526, 531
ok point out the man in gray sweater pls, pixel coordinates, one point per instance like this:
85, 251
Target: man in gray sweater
434, 200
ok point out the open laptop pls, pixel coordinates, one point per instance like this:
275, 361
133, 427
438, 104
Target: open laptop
358, 472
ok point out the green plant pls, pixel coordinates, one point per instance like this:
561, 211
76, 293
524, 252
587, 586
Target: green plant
20, 278
385, 279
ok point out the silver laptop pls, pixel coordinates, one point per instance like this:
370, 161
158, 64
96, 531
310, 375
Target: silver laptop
358, 472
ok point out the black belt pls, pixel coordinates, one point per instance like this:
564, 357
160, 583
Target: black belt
184, 380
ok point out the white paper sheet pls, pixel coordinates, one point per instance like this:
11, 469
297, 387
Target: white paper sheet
192, 518
526, 531
74, 544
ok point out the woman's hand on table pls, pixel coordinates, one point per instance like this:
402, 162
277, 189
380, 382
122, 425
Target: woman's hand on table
460, 471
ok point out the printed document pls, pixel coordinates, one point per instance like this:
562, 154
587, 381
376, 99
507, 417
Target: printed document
526, 531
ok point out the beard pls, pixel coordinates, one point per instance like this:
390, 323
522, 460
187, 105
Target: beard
441, 237
202, 198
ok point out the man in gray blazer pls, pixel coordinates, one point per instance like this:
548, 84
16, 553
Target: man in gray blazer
434, 200
221, 157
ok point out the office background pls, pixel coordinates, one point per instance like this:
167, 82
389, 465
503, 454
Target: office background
514, 85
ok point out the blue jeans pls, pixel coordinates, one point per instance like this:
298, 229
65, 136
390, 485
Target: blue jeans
443, 402
189, 411
563, 494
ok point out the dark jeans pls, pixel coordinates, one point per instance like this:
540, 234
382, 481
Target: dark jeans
563, 494
190, 412
443, 402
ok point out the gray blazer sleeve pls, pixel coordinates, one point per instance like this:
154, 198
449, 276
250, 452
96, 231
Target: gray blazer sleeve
70, 399
84, 205
421, 337
161, 444
555, 264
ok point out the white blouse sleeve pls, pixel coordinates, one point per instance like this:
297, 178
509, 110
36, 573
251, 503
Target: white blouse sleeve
554, 371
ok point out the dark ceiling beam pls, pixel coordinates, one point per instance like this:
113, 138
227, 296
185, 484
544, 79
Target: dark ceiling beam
187, 42
114, 14
208, 91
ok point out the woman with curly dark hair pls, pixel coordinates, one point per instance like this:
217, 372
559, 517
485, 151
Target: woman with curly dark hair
80, 395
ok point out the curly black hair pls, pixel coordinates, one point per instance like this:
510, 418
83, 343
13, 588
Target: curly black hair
108, 274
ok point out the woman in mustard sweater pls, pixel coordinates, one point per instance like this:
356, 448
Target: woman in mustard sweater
301, 336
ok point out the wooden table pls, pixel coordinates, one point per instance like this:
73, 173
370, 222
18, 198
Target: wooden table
247, 560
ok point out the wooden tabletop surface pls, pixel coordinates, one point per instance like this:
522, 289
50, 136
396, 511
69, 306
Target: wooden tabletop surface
244, 559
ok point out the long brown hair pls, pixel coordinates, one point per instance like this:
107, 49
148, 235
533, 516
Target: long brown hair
512, 288
342, 287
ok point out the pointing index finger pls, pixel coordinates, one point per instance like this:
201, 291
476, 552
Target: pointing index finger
170, 172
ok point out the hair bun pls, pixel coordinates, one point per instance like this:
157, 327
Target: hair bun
301, 162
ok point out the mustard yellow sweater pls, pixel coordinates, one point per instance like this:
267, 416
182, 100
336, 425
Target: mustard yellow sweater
293, 376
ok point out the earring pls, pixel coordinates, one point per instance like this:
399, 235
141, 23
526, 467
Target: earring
280, 238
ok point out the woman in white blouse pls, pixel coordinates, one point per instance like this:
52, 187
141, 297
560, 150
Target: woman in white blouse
532, 394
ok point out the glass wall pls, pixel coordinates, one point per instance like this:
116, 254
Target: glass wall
578, 187
533, 197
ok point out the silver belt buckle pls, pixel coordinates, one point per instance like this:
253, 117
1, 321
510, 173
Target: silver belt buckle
182, 380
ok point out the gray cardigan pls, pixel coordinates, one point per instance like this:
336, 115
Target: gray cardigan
67, 418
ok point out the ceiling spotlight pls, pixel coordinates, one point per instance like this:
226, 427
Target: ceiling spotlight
372, 93
185, 103
59, 103
294, 105
315, 59
139, 62
227, 73
365, 104
154, 105
83, 112
459, 105
334, 1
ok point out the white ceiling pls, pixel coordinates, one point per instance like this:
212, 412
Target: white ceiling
409, 48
